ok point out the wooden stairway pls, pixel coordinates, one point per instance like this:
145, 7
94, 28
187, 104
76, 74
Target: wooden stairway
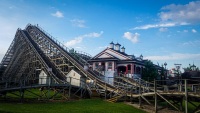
115, 98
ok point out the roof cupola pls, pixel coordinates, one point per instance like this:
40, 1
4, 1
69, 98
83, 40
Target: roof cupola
123, 49
117, 47
111, 45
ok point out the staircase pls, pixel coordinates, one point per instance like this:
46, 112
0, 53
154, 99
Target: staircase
114, 99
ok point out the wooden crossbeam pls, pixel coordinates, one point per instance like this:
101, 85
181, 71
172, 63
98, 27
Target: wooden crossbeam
57, 58
63, 65
146, 100
167, 101
197, 109
15, 94
33, 93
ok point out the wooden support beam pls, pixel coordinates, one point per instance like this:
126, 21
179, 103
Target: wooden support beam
62, 65
64, 95
105, 90
192, 104
131, 98
21, 95
33, 93
140, 100
181, 104
77, 91
155, 94
167, 101
14, 94
70, 87
145, 99
186, 97
43, 93
196, 110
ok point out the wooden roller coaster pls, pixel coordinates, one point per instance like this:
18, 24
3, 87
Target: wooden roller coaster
34, 52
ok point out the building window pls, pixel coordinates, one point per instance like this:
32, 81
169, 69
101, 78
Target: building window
110, 65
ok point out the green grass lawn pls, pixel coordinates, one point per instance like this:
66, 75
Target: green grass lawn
78, 106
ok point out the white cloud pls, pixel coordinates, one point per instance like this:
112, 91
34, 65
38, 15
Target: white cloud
176, 15
169, 24
79, 39
58, 14
175, 56
189, 13
78, 23
163, 29
185, 31
191, 43
132, 37
74, 41
194, 31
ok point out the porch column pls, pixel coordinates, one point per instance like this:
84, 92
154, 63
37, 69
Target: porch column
131, 68
94, 65
106, 66
126, 69
113, 66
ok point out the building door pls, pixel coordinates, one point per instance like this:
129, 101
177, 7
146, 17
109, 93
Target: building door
103, 66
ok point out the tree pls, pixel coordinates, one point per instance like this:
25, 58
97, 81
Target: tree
163, 75
150, 72
191, 68
197, 69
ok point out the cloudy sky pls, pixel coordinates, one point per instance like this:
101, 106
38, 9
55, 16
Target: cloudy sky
160, 30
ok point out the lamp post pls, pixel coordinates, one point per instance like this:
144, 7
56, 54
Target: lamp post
165, 72
165, 64
178, 66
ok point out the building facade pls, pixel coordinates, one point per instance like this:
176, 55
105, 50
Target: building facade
113, 61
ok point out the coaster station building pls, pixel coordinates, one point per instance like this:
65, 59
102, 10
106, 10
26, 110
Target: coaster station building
113, 61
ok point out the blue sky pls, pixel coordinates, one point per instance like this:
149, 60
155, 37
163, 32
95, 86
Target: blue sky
160, 30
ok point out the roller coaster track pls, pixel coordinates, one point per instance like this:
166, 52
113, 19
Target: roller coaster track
63, 54
33, 50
